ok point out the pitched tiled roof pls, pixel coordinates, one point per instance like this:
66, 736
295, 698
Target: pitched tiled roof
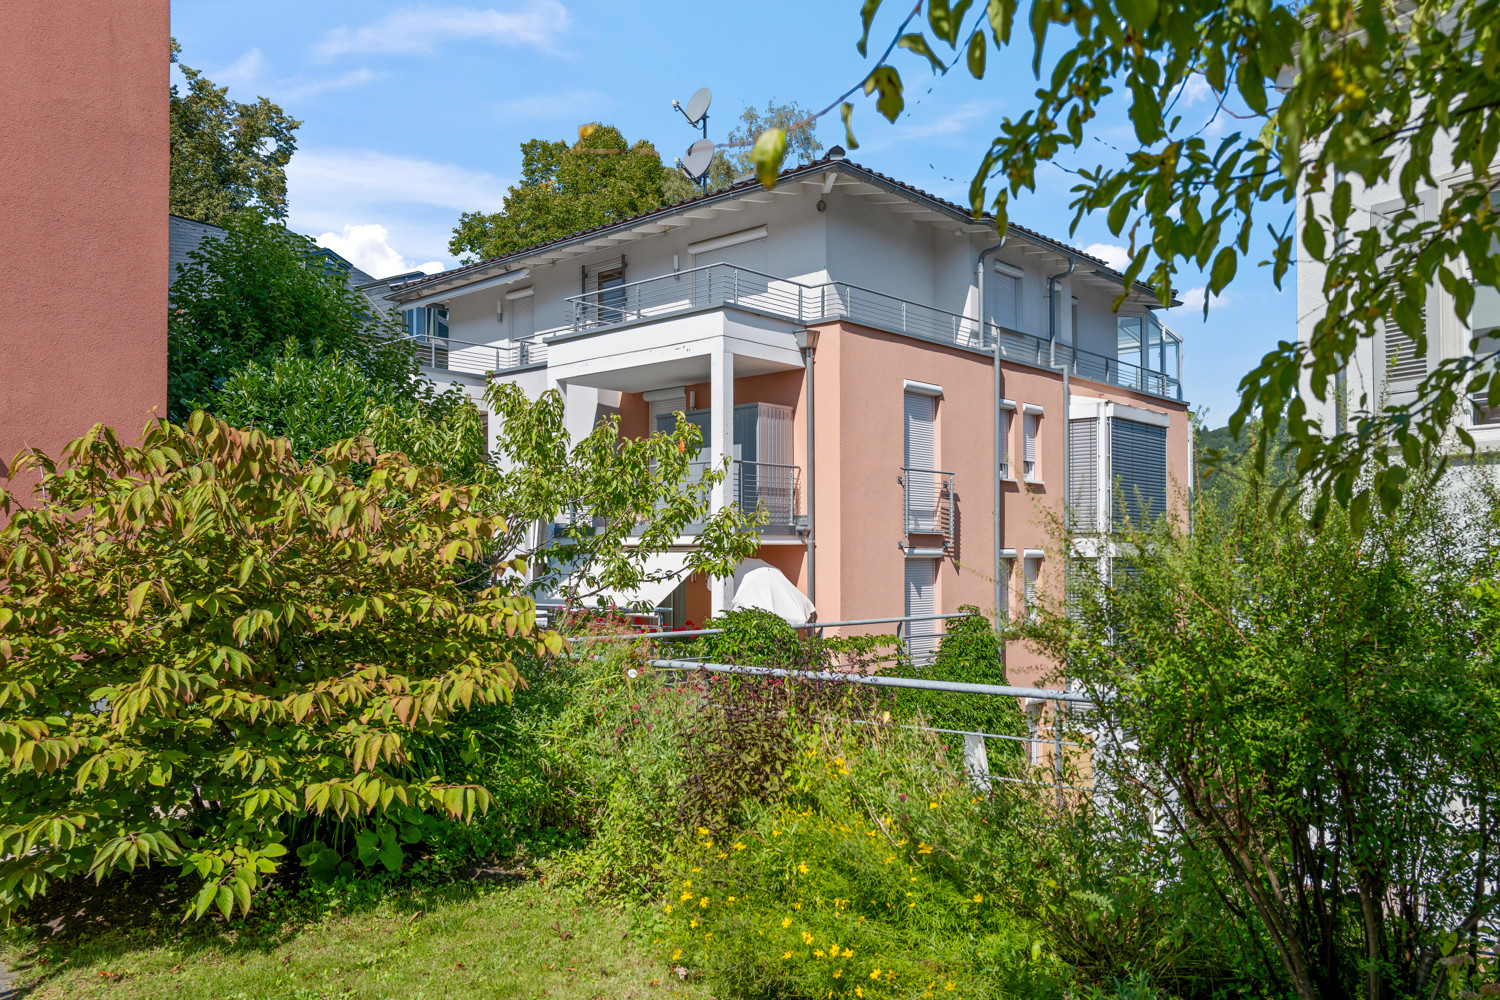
734, 190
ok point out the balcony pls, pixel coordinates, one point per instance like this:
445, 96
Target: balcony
928, 503
775, 490
465, 358
719, 285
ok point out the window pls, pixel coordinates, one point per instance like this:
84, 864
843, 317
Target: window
612, 296
428, 327
1003, 572
1083, 474
1030, 425
921, 602
1002, 300
1138, 454
1400, 361
522, 305
732, 267
1002, 427
919, 472
1032, 566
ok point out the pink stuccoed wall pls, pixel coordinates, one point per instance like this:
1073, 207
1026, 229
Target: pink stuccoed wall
83, 220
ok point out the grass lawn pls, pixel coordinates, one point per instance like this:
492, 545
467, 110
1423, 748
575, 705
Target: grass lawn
454, 942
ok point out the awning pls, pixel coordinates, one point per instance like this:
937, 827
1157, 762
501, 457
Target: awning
651, 593
758, 584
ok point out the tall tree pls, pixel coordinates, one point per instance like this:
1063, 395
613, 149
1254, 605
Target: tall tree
1337, 98
241, 298
565, 188
226, 155
732, 159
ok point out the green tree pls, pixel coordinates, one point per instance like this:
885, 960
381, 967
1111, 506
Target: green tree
316, 400
732, 160
243, 297
565, 188
1314, 710
605, 503
226, 156
204, 639
1337, 97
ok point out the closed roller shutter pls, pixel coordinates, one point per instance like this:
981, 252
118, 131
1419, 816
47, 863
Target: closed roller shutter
1029, 427
921, 601
1403, 364
1139, 464
1083, 474
1002, 426
522, 317
920, 412
1003, 300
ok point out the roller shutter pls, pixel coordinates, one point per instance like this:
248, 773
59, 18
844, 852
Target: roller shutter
1138, 454
921, 601
1083, 474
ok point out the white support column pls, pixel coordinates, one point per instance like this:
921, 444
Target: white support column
720, 445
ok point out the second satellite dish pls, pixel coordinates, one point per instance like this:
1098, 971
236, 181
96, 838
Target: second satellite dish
699, 155
697, 105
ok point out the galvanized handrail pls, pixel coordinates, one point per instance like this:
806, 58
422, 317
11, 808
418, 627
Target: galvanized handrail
471, 358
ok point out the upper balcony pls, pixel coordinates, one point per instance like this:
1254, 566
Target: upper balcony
719, 285
446, 354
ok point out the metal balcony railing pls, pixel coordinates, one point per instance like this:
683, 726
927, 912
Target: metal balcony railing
768, 487
447, 354
716, 285
928, 503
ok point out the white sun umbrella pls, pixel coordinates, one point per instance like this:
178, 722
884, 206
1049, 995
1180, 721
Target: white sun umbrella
758, 584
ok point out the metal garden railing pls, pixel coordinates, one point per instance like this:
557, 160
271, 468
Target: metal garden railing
714, 285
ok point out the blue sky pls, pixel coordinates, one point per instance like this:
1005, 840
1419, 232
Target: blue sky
414, 112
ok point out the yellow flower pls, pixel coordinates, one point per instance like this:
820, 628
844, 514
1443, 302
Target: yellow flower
695, 870
732, 898
948, 985
932, 805
703, 901
802, 868
739, 846
859, 991
807, 938
875, 974
676, 954
786, 922
687, 883
923, 848
694, 923
684, 897
775, 833
785, 955
722, 855
819, 954
837, 973
703, 831
978, 897
669, 909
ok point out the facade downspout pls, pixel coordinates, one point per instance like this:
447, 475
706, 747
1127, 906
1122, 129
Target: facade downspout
995, 463
1067, 393
808, 342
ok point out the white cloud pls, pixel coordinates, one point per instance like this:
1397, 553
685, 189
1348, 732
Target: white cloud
366, 177
368, 248
1192, 302
294, 89
1115, 256
1194, 89
246, 69
419, 30
583, 105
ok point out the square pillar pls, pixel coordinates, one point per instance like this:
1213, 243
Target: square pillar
721, 446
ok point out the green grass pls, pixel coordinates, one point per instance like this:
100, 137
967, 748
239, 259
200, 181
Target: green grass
453, 943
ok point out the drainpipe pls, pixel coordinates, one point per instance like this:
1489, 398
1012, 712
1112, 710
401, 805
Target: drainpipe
807, 341
1067, 393
995, 462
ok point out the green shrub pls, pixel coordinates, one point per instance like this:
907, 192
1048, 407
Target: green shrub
203, 640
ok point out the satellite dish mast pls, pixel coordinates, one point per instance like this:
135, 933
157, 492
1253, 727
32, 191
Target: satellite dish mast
700, 154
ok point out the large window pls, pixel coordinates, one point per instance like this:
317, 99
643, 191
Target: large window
1139, 458
612, 296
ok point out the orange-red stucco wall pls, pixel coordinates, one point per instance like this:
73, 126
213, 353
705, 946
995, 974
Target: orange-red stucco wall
83, 220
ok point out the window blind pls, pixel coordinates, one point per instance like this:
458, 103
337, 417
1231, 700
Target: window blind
749, 261
921, 600
1138, 454
522, 317
1403, 364
1002, 426
1083, 474
1033, 569
920, 460
1029, 432
1003, 301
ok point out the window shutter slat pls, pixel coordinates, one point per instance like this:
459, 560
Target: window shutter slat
1138, 455
921, 599
522, 317
1083, 474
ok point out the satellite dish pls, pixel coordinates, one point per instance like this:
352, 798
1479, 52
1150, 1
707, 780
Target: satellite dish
699, 155
697, 105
